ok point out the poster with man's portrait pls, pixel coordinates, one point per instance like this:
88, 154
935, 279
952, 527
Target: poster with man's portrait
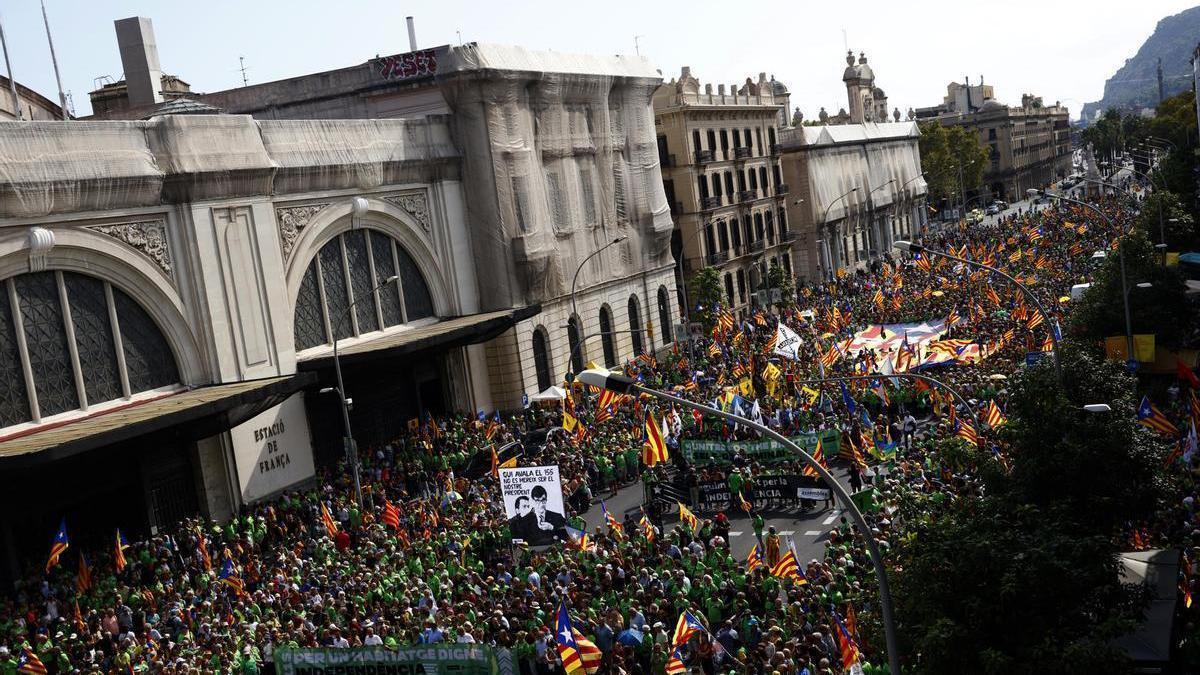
533, 503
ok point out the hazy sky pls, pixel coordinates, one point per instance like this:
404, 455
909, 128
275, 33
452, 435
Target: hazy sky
1058, 49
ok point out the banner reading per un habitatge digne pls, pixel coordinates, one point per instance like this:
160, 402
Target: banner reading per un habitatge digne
426, 660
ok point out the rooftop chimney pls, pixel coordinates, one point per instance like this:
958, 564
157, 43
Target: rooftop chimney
412, 34
139, 58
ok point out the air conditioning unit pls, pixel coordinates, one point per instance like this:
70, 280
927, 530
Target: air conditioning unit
776, 296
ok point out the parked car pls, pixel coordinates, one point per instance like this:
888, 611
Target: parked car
992, 209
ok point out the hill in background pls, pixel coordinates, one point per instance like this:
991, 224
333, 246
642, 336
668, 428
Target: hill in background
1135, 85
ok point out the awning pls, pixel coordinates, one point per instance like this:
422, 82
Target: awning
463, 330
191, 414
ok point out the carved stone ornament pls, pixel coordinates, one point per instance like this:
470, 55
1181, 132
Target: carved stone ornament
148, 237
41, 241
293, 219
414, 203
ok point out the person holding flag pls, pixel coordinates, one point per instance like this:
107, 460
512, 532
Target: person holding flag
119, 552
688, 518
58, 546
577, 653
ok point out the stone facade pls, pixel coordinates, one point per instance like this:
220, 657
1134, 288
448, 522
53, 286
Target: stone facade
559, 159
1029, 145
217, 266
724, 181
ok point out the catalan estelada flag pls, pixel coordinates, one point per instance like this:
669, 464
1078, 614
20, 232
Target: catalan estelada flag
331, 526
1151, 417
675, 662
57, 547
755, 559
647, 528
29, 663
83, 582
966, 431
687, 626
993, 416
846, 645
568, 645
119, 552
615, 528
655, 450
391, 515
788, 568
818, 454
686, 516
203, 546
230, 578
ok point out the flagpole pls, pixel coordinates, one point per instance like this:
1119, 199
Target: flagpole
62, 98
12, 84
624, 385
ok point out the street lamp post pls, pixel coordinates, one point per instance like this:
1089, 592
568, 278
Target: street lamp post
1054, 331
579, 345
871, 214
901, 191
350, 446
1120, 256
625, 385
825, 222
575, 279
687, 310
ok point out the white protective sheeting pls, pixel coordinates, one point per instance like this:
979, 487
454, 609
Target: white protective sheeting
866, 156
483, 56
364, 154
75, 166
68, 167
569, 142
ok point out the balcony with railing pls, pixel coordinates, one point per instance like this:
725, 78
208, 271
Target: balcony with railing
756, 246
718, 257
710, 203
781, 188
742, 152
786, 236
704, 156
747, 195
776, 148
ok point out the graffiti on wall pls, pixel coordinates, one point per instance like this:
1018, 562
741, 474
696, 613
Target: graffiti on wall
408, 66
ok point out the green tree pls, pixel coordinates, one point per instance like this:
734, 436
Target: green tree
778, 278
1025, 578
1162, 309
704, 293
944, 149
1157, 212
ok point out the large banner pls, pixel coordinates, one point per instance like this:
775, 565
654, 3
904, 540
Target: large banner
768, 492
533, 503
458, 659
766, 451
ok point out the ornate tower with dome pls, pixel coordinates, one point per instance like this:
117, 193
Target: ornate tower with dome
868, 103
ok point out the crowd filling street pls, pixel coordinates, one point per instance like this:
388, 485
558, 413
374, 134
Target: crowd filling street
429, 556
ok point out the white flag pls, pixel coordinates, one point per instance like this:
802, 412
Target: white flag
786, 342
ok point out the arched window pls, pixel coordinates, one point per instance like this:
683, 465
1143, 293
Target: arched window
80, 340
664, 315
347, 270
606, 336
574, 335
541, 358
635, 325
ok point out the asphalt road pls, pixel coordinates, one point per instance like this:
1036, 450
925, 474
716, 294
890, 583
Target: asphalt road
809, 530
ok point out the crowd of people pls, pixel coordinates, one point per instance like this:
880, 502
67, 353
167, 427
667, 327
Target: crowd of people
313, 569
